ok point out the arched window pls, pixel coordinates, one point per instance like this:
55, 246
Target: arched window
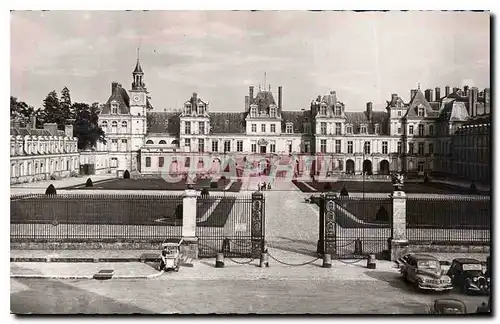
149, 142
162, 142
104, 124
124, 124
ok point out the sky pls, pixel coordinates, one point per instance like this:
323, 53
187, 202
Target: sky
363, 56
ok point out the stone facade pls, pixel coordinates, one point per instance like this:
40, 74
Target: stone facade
39, 154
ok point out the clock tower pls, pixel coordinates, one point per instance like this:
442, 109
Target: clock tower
138, 93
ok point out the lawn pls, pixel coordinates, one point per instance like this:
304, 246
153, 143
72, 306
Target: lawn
379, 187
159, 184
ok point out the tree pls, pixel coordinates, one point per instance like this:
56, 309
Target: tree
21, 110
65, 104
52, 109
86, 128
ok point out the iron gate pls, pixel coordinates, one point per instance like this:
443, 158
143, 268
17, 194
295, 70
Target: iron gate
232, 225
353, 227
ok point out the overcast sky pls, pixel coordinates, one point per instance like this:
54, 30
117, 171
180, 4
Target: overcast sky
363, 56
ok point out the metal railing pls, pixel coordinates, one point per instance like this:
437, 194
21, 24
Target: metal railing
95, 216
449, 219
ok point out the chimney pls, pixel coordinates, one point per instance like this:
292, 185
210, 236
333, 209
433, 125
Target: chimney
394, 97
32, 122
466, 90
487, 101
369, 110
438, 93
250, 94
114, 85
247, 103
473, 102
413, 92
455, 89
447, 91
428, 95
51, 127
68, 129
280, 97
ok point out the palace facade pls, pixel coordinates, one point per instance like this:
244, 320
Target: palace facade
429, 133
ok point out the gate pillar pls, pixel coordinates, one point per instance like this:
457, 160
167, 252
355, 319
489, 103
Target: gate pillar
398, 243
320, 249
257, 230
330, 206
189, 247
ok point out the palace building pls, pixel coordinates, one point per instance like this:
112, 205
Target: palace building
429, 133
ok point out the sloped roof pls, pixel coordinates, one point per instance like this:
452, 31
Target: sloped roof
119, 95
138, 68
298, 118
227, 122
453, 110
163, 122
23, 131
417, 100
356, 118
263, 100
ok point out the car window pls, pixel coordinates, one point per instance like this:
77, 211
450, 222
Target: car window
472, 266
428, 264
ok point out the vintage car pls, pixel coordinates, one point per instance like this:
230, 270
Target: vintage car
170, 255
424, 271
467, 274
448, 306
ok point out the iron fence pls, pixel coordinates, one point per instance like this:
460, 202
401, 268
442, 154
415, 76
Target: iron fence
449, 219
224, 225
95, 216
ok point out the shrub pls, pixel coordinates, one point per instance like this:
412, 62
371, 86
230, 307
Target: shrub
126, 175
213, 185
426, 179
205, 192
328, 186
382, 214
51, 190
52, 177
178, 211
89, 183
344, 192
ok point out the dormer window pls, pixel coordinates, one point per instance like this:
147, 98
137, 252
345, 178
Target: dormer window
348, 129
188, 109
363, 129
253, 111
272, 112
338, 110
377, 129
323, 110
114, 107
289, 128
421, 111
201, 109
399, 113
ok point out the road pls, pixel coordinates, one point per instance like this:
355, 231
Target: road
42, 296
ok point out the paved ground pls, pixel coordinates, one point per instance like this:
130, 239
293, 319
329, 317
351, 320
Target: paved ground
223, 296
40, 186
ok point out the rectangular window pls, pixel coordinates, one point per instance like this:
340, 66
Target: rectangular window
253, 111
307, 128
239, 146
323, 146
187, 142
254, 128
323, 128
348, 129
410, 148
306, 147
399, 113
227, 146
337, 146
338, 110
289, 128
114, 108
384, 147
399, 147
273, 128
367, 147
431, 148
254, 148
273, 112
263, 128
114, 145
410, 130
187, 128
421, 112
215, 146
148, 162
201, 145
272, 148
289, 147
399, 130
377, 129
420, 148
420, 130
161, 161
323, 110
431, 130
349, 147
363, 129
338, 128
187, 162
201, 126
124, 144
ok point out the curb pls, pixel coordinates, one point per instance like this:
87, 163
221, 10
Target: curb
85, 260
88, 277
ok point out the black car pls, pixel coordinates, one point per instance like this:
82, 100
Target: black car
467, 275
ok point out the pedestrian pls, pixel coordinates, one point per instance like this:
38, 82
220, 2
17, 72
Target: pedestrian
163, 261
